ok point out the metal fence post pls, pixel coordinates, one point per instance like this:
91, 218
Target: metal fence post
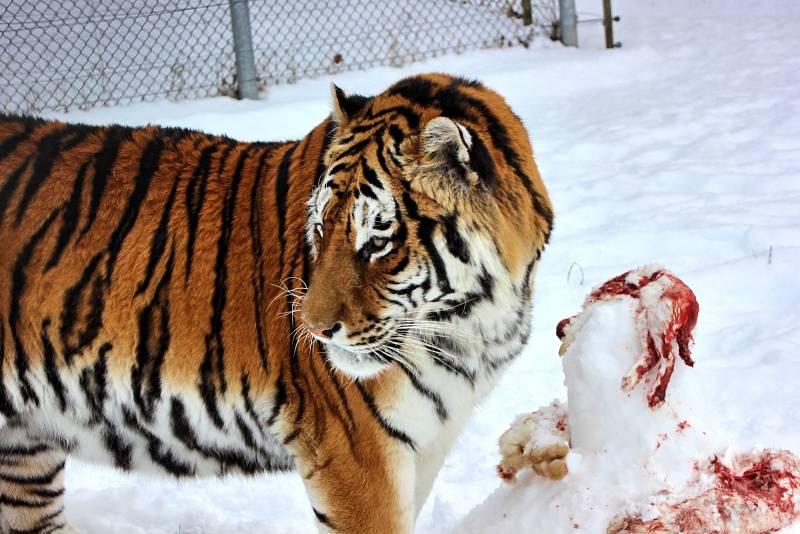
608, 23
243, 48
527, 13
568, 22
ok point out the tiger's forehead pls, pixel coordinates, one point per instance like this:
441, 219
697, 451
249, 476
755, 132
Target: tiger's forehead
361, 197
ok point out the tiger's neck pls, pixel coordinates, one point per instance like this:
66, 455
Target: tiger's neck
432, 403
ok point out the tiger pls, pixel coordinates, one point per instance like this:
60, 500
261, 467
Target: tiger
186, 304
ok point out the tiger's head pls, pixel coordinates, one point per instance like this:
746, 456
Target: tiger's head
425, 230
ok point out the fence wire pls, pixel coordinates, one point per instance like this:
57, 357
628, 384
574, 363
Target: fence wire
65, 54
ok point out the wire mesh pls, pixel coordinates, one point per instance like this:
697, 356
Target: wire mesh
300, 39
64, 54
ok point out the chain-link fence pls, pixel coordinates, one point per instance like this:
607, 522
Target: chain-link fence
63, 54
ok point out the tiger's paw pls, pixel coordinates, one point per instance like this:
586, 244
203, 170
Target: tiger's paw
539, 440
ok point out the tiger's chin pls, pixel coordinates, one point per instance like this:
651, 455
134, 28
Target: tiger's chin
354, 364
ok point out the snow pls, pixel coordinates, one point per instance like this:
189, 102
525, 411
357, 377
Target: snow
682, 147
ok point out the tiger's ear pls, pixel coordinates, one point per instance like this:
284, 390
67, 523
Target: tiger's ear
345, 107
448, 148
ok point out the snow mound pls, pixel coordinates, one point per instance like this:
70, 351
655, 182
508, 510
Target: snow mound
624, 456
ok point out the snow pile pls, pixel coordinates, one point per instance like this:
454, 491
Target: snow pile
639, 460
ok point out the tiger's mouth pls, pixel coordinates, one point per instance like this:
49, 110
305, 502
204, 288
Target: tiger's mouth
363, 360
359, 364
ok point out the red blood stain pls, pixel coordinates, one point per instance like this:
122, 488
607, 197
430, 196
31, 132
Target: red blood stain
619, 285
761, 482
683, 425
561, 424
562, 324
506, 474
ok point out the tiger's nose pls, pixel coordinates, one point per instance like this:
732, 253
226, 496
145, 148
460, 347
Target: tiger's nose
324, 331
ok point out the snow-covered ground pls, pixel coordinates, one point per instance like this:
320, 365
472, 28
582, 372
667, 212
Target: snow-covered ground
683, 147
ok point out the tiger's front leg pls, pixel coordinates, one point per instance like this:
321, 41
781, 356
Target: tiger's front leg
361, 486
31, 485
358, 469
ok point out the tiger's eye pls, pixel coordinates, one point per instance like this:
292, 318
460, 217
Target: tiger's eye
377, 243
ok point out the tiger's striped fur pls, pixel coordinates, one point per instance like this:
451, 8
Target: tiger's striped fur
154, 280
